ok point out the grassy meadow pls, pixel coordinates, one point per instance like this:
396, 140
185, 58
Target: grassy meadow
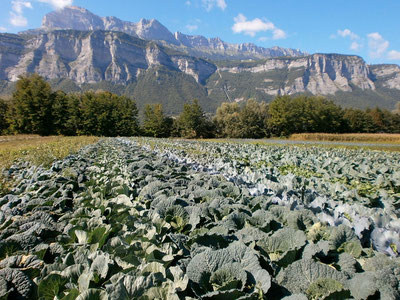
348, 137
38, 150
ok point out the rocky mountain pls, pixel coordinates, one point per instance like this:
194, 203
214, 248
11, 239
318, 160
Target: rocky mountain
223, 50
318, 74
91, 56
148, 63
344, 78
387, 76
77, 18
149, 71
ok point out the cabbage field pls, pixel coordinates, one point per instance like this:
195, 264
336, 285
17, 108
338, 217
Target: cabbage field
141, 218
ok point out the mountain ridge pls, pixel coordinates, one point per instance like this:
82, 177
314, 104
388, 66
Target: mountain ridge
73, 17
137, 63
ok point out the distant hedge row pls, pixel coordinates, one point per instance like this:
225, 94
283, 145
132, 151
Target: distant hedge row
35, 108
286, 115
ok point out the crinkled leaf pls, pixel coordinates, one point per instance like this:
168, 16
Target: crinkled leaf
283, 245
93, 294
296, 297
298, 276
207, 262
100, 265
341, 234
153, 267
179, 278
326, 288
71, 295
352, 247
230, 276
82, 236
347, 263
16, 283
51, 286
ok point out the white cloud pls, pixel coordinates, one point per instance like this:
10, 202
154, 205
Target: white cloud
58, 4
18, 6
3, 29
18, 20
191, 27
394, 55
188, 3
377, 45
210, 4
355, 46
263, 39
16, 15
242, 25
348, 33
278, 34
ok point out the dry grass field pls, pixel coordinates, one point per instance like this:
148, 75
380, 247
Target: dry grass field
38, 150
348, 137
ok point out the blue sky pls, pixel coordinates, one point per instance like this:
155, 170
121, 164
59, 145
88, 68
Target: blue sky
366, 28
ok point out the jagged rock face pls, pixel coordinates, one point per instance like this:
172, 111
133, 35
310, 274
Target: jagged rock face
72, 17
94, 56
154, 30
89, 57
388, 74
77, 18
216, 44
11, 49
319, 74
196, 41
215, 47
200, 71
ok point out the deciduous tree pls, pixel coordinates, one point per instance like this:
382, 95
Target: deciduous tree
4, 122
155, 123
32, 106
192, 122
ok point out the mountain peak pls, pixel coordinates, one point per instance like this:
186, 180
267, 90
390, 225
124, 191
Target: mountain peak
77, 8
148, 21
78, 18
72, 17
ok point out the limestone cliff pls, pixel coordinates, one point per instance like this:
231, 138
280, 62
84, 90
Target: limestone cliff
321, 74
77, 18
91, 56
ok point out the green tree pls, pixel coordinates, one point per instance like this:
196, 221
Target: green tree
32, 106
252, 119
155, 123
74, 123
358, 121
327, 116
60, 113
382, 120
304, 114
4, 122
281, 116
397, 108
107, 114
395, 120
125, 116
192, 122
227, 119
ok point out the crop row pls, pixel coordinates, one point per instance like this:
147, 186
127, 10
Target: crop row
117, 221
357, 188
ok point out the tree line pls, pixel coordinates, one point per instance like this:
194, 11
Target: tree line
35, 108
